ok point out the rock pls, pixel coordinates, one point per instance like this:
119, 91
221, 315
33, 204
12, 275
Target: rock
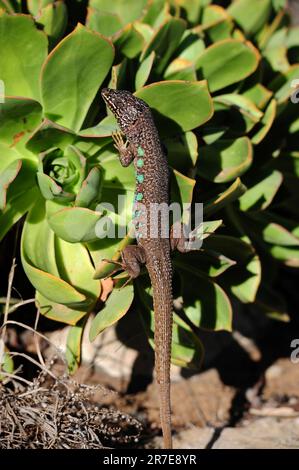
264, 433
282, 378
201, 400
191, 438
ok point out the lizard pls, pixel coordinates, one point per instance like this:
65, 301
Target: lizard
143, 147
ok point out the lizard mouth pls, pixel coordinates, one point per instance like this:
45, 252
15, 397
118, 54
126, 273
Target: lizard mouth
105, 93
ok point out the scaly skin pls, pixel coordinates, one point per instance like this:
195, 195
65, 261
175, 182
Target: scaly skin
143, 147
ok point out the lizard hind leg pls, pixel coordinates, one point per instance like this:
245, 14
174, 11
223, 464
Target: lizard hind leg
133, 257
178, 240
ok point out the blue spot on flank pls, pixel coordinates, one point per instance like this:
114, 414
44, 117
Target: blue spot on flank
140, 152
140, 163
139, 197
140, 178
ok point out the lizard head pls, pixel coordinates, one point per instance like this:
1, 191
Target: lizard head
127, 109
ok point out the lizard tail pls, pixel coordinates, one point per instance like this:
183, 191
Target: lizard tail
160, 272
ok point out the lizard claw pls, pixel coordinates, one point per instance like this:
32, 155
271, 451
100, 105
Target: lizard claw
127, 282
119, 267
118, 264
117, 136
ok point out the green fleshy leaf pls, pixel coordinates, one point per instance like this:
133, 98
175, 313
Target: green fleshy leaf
6, 364
18, 118
242, 114
258, 94
205, 302
165, 42
212, 134
90, 188
180, 69
232, 193
49, 135
186, 348
38, 241
281, 85
227, 62
193, 8
244, 285
75, 224
272, 231
58, 312
231, 247
208, 262
39, 261
127, 10
225, 160
7, 176
23, 51
52, 287
216, 22
244, 278
157, 12
145, 30
75, 267
190, 47
11, 6
103, 22
35, 6
22, 192
275, 236
244, 105
251, 15
8, 155
116, 306
144, 70
73, 346
182, 150
99, 252
210, 226
128, 42
72, 75
50, 189
260, 195
15, 209
278, 4
181, 188
287, 255
185, 105
265, 124
277, 58
54, 19
103, 129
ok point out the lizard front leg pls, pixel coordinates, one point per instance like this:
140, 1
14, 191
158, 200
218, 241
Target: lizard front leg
126, 154
132, 258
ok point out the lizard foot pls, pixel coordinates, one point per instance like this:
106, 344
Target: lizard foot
126, 155
133, 257
118, 264
119, 267
119, 143
184, 244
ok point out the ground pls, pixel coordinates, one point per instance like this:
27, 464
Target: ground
250, 400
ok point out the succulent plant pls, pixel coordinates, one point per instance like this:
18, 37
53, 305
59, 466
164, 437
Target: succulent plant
221, 81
